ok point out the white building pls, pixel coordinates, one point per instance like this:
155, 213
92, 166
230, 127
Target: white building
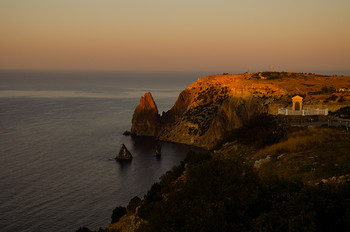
298, 109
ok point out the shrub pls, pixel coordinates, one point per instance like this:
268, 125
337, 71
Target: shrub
227, 195
152, 200
341, 99
332, 98
260, 131
133, 204
325, 89
297, 141
118, 212
196, 157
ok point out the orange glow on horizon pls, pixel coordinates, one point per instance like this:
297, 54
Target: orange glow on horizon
174, 36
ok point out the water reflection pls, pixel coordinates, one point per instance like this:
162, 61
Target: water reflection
147, 145
124, 164
144, 144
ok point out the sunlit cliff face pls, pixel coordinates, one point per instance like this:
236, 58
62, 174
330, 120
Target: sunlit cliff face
214, 106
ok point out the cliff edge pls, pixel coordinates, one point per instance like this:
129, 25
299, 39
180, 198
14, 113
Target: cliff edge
212, 107
204, 113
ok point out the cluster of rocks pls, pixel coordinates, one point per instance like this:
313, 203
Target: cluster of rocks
212, 107
259, 163
124, 154
194, 121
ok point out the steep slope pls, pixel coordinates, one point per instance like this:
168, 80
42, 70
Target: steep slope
204, 113
212, 107
303, 186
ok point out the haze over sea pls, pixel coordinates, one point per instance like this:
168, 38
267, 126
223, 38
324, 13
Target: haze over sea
59, 133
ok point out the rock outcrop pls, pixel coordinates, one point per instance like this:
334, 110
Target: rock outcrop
124, 153
212, 107
205, 125
203, 114
159, 149
146, 120
127, 133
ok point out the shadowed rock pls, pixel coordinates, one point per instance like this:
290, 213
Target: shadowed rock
127, 132
124, 153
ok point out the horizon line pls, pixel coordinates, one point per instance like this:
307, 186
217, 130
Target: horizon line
156, 70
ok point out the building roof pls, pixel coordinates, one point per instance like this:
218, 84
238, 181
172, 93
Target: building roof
297, 97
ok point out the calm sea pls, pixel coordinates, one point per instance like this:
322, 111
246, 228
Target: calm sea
59, 133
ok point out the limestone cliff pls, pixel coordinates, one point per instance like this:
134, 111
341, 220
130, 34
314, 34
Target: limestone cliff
210, 108
203, 114
146, 120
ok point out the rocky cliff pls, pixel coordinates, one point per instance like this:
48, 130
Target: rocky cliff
146, 120
203, 114
210, 108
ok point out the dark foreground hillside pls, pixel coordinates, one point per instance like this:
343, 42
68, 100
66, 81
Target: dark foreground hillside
263, 178
209, 194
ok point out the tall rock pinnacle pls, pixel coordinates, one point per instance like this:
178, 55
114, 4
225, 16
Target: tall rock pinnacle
146, 120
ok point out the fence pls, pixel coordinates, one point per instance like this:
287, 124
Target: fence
303, 112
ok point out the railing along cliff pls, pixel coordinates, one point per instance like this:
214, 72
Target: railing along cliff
303, 112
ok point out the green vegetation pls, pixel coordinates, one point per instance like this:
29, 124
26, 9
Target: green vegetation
341, 99
212, 94
223, 192
280, 75
206, 193
309, 155
304, 185
275, 75
343, 112
324, 90
118, 212
133, 204
258, 132
331, 98
201, 116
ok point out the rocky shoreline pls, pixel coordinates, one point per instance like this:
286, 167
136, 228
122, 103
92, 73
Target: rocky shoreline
231, 115
212, 107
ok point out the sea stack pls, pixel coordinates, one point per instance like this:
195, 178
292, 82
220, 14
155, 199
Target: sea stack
146, 120
124, 153
159, 149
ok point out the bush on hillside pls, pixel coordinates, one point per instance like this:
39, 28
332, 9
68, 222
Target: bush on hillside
118, 212
260, 131
227, 195
133, 204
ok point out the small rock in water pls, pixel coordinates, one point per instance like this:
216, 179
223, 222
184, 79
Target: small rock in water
159, 149
124, 153
127, 133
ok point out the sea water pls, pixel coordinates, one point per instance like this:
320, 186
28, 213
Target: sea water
59, 134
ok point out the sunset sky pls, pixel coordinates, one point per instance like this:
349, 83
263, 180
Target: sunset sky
175, 35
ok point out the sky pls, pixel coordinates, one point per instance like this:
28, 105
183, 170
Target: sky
175, 35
